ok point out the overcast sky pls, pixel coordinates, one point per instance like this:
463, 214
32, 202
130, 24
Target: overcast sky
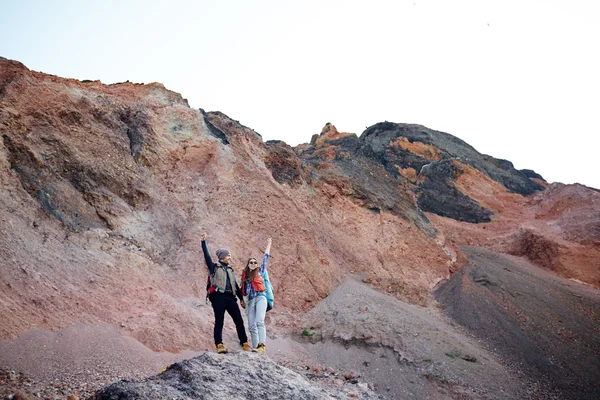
518, 80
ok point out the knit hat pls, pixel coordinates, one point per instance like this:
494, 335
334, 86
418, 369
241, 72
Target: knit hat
222, 253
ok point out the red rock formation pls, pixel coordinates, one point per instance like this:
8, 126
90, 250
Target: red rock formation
107, 187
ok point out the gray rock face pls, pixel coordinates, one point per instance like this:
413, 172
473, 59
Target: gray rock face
439, 195
230, 376
378, 136
390, 160
364, 177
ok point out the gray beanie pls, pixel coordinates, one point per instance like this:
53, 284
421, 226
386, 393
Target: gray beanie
222, 253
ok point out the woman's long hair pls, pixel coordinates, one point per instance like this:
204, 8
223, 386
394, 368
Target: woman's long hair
251, 274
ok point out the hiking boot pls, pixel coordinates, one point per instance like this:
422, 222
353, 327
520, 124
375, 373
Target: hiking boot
261, 348
246, 346
221, 348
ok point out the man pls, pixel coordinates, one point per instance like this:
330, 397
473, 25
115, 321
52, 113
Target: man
222, 292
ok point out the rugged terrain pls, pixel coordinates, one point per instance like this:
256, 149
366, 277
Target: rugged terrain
105, 189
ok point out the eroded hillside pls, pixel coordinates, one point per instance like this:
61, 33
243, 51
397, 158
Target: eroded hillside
106, 189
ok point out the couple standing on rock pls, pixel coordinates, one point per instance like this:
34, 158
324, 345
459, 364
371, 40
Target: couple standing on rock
223, 289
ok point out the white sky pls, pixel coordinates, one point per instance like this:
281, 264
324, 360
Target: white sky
516, 79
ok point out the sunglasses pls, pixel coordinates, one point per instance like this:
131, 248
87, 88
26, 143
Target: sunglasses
252, 262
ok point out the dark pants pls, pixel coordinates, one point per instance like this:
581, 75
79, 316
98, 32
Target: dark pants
222, 302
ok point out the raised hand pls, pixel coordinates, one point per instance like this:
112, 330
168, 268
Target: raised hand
203, 236
268, 249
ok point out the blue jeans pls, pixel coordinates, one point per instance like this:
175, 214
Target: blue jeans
256, 310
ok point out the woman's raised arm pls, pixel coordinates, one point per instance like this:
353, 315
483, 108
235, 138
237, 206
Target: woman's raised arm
265, 259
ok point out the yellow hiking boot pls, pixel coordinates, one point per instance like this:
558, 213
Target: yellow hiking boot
221, 348
261, 348
246, 346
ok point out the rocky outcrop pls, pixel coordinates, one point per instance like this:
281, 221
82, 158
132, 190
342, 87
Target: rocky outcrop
427, 145
336, 159
284, 165
438, 194
241, 375
574, 209
537, 248
416, 160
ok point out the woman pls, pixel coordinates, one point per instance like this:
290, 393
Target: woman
222, 290
255, 292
